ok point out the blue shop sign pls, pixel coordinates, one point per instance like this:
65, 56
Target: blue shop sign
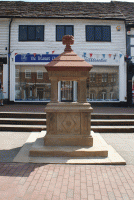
35, 58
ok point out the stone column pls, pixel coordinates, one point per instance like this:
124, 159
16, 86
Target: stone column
82, 97
54, 90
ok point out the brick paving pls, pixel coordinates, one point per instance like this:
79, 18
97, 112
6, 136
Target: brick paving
71, 182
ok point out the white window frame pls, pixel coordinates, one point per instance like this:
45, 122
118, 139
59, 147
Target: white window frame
27, 71
104, 78
16, 73
113, 78
39, 71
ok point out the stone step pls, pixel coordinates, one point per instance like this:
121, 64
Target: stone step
112, 122
23, 121
21, 128
22, 115
113, 129
111, 116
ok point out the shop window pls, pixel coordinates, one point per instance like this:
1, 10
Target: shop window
33, 84
31, 33
92, 77
16, 73
39, 75
62, 30
103, 89
104, 78
27, 73
98, 33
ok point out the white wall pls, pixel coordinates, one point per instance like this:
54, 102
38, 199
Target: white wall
118, 38
4, 31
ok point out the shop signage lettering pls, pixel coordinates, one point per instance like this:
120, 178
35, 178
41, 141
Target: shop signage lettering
35, 58
95, 60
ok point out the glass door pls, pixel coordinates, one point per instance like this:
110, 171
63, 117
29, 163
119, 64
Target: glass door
66, 91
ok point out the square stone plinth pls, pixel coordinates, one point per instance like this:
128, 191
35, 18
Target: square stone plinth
36, 139
99, 149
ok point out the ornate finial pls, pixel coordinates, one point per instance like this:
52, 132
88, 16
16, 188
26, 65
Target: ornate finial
68, 40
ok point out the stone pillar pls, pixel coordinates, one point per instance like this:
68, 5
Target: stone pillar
54, 90
82, 97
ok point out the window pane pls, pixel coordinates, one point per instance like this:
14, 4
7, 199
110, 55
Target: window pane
59, 33
27, 73
31, 33
69, 30
30, 88
16, 73
89, 33
39, 74
106, 85
106, 33
98, 33
40, 33
22, 33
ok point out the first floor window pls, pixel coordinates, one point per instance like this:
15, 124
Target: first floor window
62, 30
104, 78
113, 78
16, 73
31, 33
92, 77
39, 75
27, 73
98, 33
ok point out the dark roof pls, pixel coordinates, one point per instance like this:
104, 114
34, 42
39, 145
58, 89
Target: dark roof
60, 10
127, 9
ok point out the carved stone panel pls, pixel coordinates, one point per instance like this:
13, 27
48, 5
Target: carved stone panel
85, 123
51, 123
68, 123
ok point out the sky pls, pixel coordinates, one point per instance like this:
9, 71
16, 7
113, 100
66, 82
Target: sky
70, 0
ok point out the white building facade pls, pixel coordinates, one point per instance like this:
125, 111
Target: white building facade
35, 42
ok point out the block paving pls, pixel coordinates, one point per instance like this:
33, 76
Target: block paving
69, 182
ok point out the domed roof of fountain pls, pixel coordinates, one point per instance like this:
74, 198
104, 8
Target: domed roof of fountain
68, 60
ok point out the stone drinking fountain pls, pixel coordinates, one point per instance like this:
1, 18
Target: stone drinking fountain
68, 123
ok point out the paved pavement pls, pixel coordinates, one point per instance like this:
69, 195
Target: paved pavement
66, 182
61, 182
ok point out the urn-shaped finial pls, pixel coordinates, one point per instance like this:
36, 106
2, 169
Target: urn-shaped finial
68, 40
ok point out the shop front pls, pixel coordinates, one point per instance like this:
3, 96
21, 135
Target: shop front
106, 82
